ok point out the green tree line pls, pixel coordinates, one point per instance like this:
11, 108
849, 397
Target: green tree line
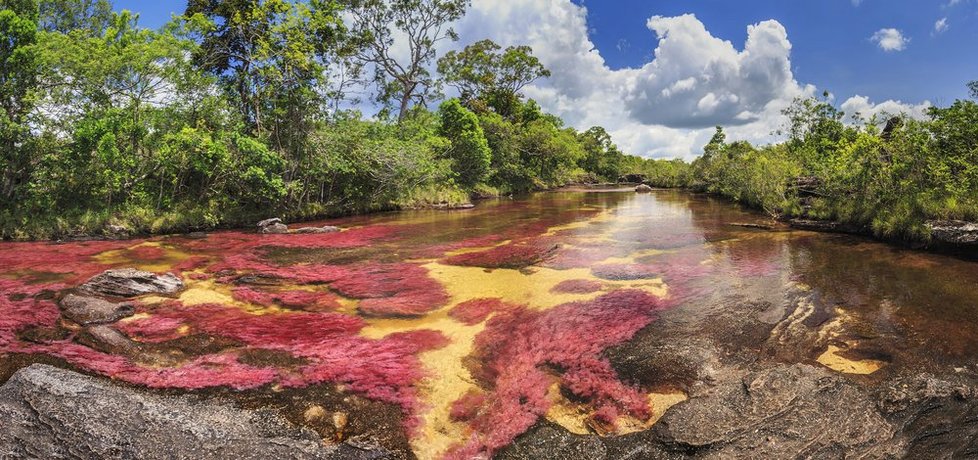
889, 175
243, 109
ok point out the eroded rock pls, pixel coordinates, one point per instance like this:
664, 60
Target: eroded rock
46, 412
129, 282
86, 310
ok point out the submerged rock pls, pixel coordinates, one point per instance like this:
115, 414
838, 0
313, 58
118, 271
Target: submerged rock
107, 339
46, 412
325, 229
86, 310
129, 282
642, 188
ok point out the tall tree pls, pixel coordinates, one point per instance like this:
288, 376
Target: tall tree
92, 16
402, 74
482, 71
18, 76
271, 55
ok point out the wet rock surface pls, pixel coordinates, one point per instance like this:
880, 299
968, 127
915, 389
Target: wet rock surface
46, 412
129, 282
642, 188
954, 232
86, 310
786, 411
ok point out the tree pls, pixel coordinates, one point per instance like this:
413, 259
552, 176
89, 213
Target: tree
64, 16
18, 77
270, 54
424, 24
716, 144
469, 149
601, 155
973, 89
481, 71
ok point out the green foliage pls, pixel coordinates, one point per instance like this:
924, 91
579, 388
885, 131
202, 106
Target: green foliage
88, 16
469, 150
483, 74
601, 155
18, 78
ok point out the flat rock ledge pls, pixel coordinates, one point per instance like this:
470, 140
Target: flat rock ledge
51, 413
954, 232
129, 282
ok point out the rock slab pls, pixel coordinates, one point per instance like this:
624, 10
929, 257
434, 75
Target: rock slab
129, 282
51, 413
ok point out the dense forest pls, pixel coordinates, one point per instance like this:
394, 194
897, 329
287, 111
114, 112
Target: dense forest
242, 109
245, 109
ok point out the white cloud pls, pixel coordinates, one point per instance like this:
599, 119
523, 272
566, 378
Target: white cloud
861, 107
890, 40
940, 26
666, 108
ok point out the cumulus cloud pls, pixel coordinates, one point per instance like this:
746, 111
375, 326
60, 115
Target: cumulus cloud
666, 108
890, 40
940, 26
862, 108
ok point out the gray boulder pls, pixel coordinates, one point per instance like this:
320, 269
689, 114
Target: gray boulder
46, 412
129, 282
86, 310
642, 188
272, 226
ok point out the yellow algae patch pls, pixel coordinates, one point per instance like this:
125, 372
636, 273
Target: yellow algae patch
448, 379
202, 292
576, 418
531, 287
833, 360
171, 256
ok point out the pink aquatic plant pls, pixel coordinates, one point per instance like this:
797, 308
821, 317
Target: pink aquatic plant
475, 311
299, 300
522, 352
577, 287
513, 255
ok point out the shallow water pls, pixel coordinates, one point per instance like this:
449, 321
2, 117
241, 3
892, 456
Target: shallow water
477, 324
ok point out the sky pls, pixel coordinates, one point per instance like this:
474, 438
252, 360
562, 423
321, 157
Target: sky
659, 75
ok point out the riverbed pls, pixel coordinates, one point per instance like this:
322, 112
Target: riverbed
594, 318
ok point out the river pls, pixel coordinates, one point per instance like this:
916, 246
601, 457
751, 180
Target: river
448, 334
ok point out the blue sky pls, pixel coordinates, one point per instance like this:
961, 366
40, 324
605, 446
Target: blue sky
830, 38
720, 62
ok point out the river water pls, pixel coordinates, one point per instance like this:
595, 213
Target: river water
461, 330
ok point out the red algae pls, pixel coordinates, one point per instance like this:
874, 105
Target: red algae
513, 255
521, 352
391, 289
467, 407
577, 287
300, 300
475, 311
